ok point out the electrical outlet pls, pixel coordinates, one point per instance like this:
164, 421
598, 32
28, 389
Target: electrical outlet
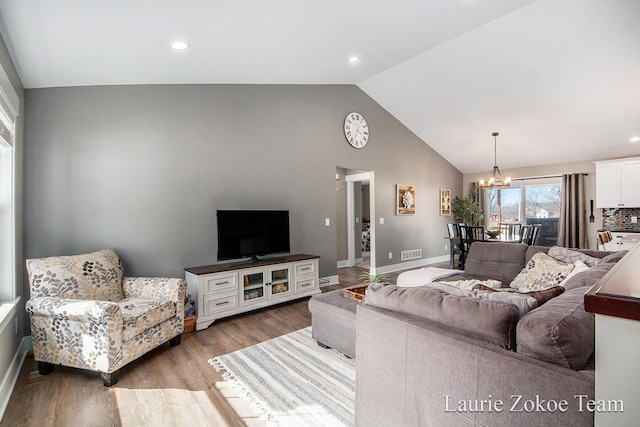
390, 255
381, 220
446, 247
327, 222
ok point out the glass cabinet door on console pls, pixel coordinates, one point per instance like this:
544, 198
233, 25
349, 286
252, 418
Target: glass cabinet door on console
280, 281
253, 285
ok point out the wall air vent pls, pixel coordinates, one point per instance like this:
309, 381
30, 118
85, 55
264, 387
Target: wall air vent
412, 254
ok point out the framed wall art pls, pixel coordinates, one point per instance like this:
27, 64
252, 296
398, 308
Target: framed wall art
405, 200
445, 202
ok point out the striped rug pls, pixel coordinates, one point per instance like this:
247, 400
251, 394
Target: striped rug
292, 381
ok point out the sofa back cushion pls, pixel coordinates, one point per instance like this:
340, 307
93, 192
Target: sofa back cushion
588, 277
572, 256
559, 332
94, 276
491, 321
496, 260
534, 249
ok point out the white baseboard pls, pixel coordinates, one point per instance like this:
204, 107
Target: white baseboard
412, 264
329, 280
9, 382
343, 263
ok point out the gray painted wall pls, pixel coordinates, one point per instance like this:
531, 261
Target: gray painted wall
142, 169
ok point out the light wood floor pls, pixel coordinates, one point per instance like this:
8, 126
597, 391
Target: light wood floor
172, 386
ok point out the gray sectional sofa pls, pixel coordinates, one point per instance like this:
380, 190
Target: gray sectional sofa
428, 358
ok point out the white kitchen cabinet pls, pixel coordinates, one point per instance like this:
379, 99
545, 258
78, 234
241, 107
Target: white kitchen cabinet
617, 183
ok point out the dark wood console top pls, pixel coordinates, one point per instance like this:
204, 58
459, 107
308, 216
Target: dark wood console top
618, 292
240, 265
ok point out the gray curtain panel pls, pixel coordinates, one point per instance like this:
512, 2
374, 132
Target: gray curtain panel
572, 231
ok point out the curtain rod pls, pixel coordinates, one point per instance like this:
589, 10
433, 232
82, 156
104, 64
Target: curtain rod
543, 177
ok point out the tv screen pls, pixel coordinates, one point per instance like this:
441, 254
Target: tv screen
252, 233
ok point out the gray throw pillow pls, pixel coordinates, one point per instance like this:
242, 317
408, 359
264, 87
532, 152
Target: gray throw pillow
560, 332
571, 256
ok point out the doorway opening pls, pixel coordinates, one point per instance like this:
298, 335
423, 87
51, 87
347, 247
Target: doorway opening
360, 227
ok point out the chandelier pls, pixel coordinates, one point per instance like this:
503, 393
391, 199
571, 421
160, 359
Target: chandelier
495, 180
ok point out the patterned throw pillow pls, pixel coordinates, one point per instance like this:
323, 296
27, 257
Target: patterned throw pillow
570, 256
541, 272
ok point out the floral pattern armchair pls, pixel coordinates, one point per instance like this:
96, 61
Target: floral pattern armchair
85, 314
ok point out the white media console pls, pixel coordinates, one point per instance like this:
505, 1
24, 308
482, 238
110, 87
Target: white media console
223, 290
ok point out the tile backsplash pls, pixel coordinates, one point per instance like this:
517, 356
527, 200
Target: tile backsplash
619, 219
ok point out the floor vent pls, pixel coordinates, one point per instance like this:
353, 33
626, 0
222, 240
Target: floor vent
412, 254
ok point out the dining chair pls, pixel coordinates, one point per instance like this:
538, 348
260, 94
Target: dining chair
456, 245
530, 234
534, 234
511, 230
470, 234
604, 237
525, 234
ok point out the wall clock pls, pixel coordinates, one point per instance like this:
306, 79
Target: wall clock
356, 130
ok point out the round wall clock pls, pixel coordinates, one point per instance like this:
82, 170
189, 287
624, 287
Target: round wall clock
356, 130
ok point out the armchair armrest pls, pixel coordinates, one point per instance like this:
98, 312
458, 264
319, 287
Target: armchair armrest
162, 288
75, 309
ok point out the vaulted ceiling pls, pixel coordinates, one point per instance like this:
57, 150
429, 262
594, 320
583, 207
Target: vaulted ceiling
559, 79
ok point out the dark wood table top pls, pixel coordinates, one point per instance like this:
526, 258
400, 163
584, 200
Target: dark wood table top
618, 292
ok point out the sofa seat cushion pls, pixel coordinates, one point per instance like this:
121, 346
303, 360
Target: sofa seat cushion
541, 272
140, 314
495, 260
491, 321
560, 332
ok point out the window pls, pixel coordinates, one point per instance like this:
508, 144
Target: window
7, 232
505, 206
531, 202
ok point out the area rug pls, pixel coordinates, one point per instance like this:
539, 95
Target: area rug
292, 381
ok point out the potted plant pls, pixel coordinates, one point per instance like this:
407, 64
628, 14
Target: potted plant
373, 278
467, 210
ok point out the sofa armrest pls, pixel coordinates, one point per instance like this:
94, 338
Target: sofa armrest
75, 309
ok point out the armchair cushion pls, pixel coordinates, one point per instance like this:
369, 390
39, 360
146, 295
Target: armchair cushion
94, 276
139, 314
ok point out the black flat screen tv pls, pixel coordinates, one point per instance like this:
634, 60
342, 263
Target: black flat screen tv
252, 233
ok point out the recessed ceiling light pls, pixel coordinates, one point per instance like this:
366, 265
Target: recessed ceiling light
180, 45
635, 139
354, 59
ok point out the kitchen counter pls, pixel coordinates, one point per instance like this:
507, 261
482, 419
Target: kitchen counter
622, 240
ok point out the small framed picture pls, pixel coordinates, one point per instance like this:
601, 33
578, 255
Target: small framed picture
445, 202
405, 200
